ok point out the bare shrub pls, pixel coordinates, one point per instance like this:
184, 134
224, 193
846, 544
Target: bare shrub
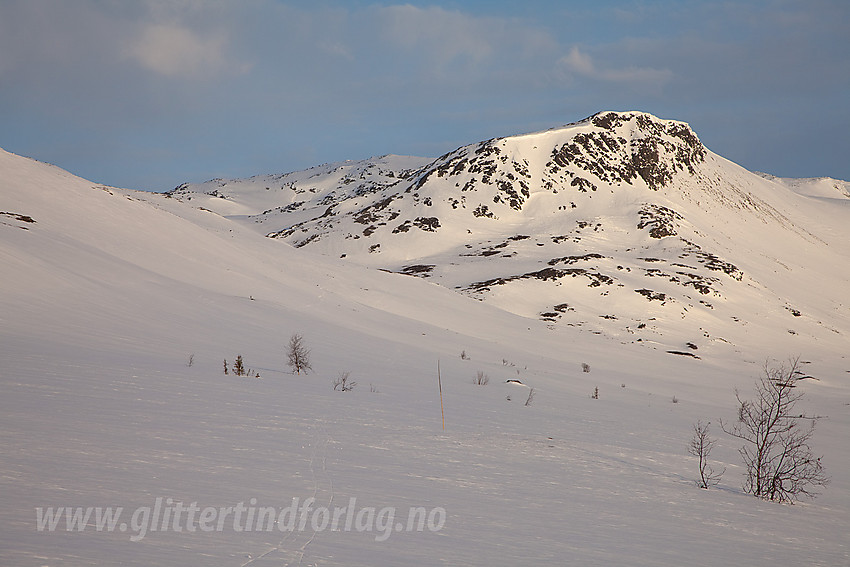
481, 379
530, 398
344, 383
595, 394
298, 355
700, 447
225, 366
779, 462
585, 367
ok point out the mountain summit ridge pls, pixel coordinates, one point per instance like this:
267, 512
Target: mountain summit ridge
496, 178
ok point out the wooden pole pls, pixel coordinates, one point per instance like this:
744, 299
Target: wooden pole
440, 384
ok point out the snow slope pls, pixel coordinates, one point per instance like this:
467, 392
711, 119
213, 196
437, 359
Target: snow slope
824, 187
107, 293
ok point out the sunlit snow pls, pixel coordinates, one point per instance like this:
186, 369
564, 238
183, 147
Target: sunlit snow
119, 308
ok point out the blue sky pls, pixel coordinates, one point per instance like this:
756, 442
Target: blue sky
151, 93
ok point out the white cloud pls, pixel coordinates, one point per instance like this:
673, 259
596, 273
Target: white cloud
337, 49
174, 50
444, 38
578, 63
446, 34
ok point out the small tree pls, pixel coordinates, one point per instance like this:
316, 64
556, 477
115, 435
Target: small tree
779, 463
700, 447
298, 354
238, 367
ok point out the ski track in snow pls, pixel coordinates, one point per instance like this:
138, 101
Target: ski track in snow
318, 456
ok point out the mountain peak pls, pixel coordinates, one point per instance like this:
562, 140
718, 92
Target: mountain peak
606, 149
624, 147
529, 178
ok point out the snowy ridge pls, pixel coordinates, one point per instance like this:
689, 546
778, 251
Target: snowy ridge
825, 187
302, 194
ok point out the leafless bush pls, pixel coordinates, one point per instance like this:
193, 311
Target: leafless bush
779, 462
700, 447
298, 355
344, 383
585, 367
595, 394
481, 379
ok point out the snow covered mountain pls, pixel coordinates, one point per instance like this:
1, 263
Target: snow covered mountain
622, 224
823, 187
565, 266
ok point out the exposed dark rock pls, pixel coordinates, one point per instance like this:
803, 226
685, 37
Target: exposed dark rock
17, 217
483, 211
661, 221
423, 270
428, 224
652, 295
574, 259
546, 274
681, 353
